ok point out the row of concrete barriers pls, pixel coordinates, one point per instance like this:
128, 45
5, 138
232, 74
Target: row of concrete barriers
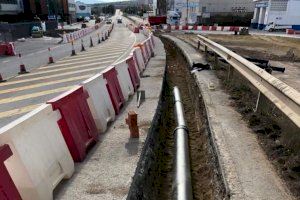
39, 149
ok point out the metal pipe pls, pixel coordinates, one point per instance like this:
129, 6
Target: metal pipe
182, 186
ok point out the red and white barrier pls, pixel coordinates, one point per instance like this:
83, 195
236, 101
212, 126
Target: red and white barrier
204, 28
40, 156
44, 141
99, 101
124, 79
292, 32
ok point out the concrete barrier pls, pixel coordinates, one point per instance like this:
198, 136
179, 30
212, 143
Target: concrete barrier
114, 88
137, 55
8, 189
99, 101
124, 79
40, 156
76, 123
132, 69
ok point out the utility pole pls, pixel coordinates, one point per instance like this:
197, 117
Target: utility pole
187, 12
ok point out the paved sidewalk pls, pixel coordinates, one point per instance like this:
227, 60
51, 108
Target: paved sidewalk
107, 171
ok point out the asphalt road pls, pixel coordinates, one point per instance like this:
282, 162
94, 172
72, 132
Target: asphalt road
35, 52
23, 93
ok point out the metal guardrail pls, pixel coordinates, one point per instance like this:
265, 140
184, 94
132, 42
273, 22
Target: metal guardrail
284, 97
182, 186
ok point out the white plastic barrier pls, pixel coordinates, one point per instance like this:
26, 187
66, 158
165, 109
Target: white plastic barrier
150, 46
133, 54
139, 58
124, 79
41, 158
99, 101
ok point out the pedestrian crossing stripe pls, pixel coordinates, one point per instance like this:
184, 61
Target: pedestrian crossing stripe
22, 88
93, 64
33, 95
52, 76
18, 111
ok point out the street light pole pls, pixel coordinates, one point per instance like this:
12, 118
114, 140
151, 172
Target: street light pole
187, 12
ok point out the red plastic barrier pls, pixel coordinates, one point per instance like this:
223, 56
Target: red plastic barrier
2, 49
76, 124
8, 189
133, 73
185, 27
176, 27
136, 30
205, 28
195, 27
114, 89
213, 28
7, 49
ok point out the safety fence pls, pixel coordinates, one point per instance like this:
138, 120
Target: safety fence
69, 37
39, 149
284, 97
201, 28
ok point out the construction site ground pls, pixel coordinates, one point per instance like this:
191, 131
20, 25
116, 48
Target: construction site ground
272, 138
282, 52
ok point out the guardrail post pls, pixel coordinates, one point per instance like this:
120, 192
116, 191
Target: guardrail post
199, 44
257, 102
216, 61
205, 50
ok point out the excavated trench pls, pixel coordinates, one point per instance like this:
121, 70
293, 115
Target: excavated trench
153, 178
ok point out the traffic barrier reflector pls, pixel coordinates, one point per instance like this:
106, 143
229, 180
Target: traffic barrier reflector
22, 66
137, 55
1, 79
76, 124
124, 79
114, 88
99, 101
73, 53
131, 121
82, 45
8, 189
40, 157
50, 56
135, 80
91, 42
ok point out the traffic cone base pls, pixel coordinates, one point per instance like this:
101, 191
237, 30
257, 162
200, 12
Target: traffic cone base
1, 79
23, 69
51, 60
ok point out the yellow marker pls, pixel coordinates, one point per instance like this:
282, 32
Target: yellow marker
50, 76
18, 111
16, 89
33, 95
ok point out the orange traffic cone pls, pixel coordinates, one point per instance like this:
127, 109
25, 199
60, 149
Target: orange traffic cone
50, 56
22, 66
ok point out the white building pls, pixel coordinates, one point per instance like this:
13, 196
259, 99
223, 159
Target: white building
213, 11
72, 11
280, 12
82, 10
11, 7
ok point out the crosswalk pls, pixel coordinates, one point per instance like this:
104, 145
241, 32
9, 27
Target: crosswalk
26, 92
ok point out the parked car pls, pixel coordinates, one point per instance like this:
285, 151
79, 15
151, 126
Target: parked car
36, 32
119, 20
108, 21
87, 19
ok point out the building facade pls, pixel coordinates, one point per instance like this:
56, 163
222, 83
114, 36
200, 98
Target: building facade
82, 10
214, 11
11, 7
281, 12
72, 11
